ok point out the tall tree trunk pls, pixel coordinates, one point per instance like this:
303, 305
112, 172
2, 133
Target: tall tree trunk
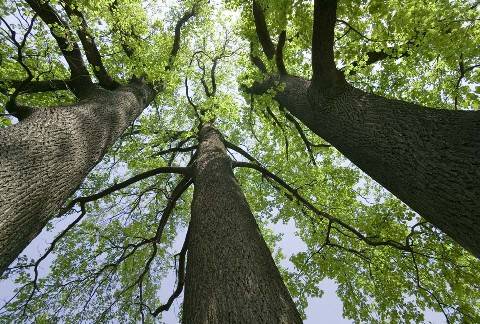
231, 276
46, 157
429, 158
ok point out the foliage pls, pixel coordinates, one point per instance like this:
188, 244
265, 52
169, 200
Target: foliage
104, 269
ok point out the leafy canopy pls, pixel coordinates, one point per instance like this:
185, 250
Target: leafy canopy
389, 264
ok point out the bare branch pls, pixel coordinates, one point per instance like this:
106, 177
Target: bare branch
34, 282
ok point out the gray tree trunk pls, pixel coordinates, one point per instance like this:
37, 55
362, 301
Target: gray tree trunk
44, 159
231, 276
429, 158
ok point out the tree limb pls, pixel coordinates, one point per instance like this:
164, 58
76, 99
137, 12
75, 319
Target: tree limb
71, 52
124, 184
91, 50
279, 53
34, 86
12, 108
296, 196
177, 37
323, 65
180, 278
262, 30
257, 61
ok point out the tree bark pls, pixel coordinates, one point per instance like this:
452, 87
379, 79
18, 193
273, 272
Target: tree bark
46, 157
428, 158
231, 276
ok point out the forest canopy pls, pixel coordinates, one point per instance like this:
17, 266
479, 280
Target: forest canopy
192, 63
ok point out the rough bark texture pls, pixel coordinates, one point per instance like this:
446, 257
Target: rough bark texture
45, 158
231, 276
428, 158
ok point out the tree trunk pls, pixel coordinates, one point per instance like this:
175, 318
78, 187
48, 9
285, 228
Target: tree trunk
429, 158
231, 276
44, 159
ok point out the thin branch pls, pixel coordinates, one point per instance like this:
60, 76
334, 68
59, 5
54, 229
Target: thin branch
390, 52
177, 192
124, 184
175, 150
419, 286
34, 282
463, 71
241, 151
277, 122
350, 27
180, 278
304, 138
296, 196
190, 101
20, 112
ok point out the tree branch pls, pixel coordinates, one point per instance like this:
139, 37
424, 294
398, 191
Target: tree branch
34, 86
279, 54
296, 196
262, 30
177, 192
175, 150
180, 278
49, 250
12, 108
323, 65
71, 52
463, 72
212, 76
91, 50
177, 37
257, 61
124, 184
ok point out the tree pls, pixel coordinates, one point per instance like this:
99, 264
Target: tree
428, 158
231, 277
48, 154
110, 262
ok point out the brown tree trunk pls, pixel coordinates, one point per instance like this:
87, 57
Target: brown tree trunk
429, 158
44, 159
231, 276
